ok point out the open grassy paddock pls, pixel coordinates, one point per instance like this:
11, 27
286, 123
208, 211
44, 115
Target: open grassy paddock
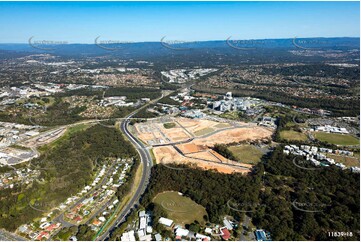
337, 139
293, 135
247, 153
181, 209
346, 160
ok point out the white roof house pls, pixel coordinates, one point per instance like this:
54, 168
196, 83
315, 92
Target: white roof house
145, 237
141, 233
181, 232
201, 236
227, 224
158, 237
165, 221
143, 223
141, 213
149, 229
128, 236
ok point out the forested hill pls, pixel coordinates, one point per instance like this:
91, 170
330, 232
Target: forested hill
305, 204
291, 203
66, 169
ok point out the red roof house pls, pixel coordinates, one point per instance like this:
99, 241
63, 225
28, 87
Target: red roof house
225, 233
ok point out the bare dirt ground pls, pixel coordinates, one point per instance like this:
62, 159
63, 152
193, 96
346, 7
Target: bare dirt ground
154, 132
197, 125
234, 135
190, 148
167, 154
176, 134
204, 155
197, 151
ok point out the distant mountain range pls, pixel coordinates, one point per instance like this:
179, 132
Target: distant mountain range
164, 47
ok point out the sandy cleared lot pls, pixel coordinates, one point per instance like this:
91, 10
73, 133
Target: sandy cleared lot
190, 148
234, 135
176, 134
204, 155
197, 152
167, 154
196, 126
154, 132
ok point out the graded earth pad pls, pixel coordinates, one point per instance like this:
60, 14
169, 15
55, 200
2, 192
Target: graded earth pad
190, 148
234, 135
181, 144
154, 133
199, 127
168, 155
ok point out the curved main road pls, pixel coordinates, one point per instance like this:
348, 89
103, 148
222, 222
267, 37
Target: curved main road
146, 160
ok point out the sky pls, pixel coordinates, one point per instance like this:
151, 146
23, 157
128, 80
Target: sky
82, 22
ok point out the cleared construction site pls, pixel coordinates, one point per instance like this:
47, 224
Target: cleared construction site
189, 141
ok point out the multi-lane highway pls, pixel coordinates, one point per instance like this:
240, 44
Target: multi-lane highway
146, 160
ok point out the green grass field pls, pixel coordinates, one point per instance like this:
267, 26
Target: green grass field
203, 131
246, 153
293, 135
181, 209
347, 161
337, 139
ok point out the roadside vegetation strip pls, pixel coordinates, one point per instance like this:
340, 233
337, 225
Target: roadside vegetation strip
130, 193
337, 139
